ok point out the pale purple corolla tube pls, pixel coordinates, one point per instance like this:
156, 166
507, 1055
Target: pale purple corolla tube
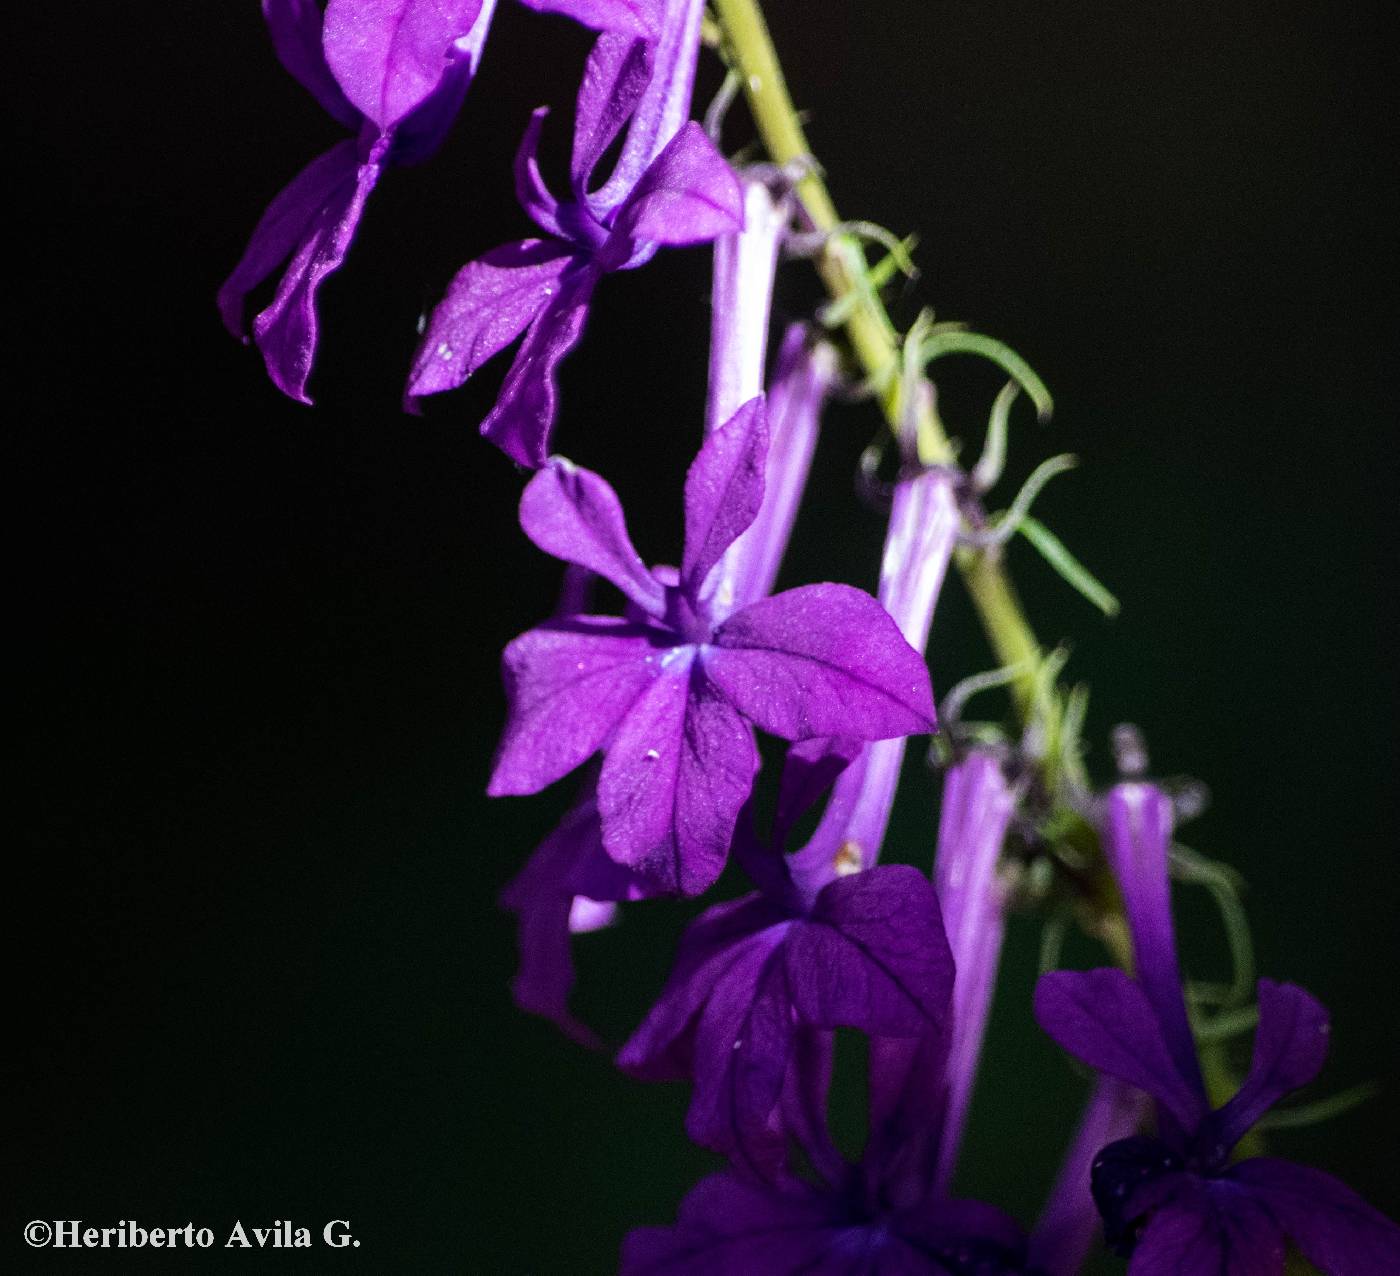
923, 527
741, 297
803, 378
1070, 1224
977, 806
1137, 828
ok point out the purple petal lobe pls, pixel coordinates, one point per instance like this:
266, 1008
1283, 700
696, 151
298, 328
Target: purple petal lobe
613, 79
873, 956
530, 189
809, 770
822, 660
723, 491
1210, 1229
390, 55
677, 772
1336, 1230
286, 331
295, 26
689, 195
662, 1047
1103, 1018
575, 515
1290, 1047
741, 1056
567, 685
569, 866
729, 1224
639, 18
522, 421
286, 222
489, 303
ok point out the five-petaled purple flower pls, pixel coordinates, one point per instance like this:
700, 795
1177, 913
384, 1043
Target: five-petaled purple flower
1175, 1202
394, 72
670, 186
668, 694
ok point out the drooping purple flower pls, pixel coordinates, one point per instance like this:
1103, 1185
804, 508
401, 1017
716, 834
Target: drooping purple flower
394, 72
1175, 1202
669, 187
669, 695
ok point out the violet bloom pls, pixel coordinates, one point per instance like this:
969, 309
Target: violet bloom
670, 696
1175, 1202
570, 885
670, 186
889, 1214
394, 72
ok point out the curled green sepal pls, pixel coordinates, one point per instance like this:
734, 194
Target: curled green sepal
946, 340
1069, 568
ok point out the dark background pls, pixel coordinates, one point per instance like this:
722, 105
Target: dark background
261, 971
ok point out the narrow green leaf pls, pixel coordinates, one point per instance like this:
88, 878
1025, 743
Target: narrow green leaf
1074, 573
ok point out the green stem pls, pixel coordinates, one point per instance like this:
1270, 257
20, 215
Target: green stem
873, 337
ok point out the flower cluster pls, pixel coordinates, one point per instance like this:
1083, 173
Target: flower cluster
657, 709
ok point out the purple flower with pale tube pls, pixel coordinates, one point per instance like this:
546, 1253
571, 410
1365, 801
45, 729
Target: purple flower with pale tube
670, 186
891, 1213
670, 695
570, 885
395, 73
1176, 1202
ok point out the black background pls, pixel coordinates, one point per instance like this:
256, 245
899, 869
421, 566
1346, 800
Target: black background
261, 971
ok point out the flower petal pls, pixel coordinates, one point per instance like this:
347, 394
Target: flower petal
286, 331
676, 774
821, 660
522, 421
662, 1047
1290, 1047
567, 685
569, 865
1336, 1230
575, 515
872, 955
1210, 1228
637, 18
287, 220
295, 26
1103, 1018
390, 55
733, 1224
689, 195
723, 491
531, 192
614, 77
488, 304
742, 1050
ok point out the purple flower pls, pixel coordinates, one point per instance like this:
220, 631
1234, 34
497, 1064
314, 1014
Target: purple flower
670, 186
753, 1228
753, 973
670, 695
1175, 1202
394, 72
